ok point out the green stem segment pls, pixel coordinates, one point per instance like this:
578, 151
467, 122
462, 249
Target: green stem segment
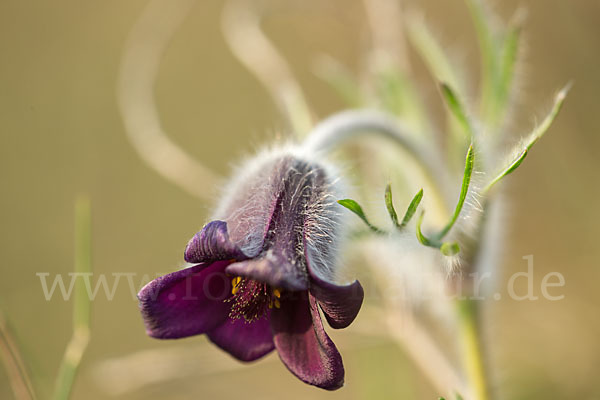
468, 312
81, 308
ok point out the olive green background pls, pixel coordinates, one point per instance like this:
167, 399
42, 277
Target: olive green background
61, 135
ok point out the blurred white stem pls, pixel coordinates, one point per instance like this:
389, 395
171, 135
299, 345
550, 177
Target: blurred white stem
241, 26
143, 50
409, 286
426, 354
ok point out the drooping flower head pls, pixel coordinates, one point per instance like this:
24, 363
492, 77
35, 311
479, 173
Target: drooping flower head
263, 267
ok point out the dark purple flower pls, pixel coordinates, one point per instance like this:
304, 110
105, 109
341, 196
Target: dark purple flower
263, 269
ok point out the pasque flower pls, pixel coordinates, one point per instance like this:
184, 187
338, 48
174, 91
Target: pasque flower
263, 268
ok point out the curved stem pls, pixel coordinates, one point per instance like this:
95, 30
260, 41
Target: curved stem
347, 125
139, 67
241, 26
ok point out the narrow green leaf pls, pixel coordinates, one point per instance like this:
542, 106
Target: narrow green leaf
447, 248
424, 240
357, 209
463, 192
542, 128
412, 208
457, 109
537, 133
390, 205
513, 166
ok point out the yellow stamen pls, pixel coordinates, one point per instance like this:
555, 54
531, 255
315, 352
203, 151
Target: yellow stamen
277, 293
235, 282
277, 304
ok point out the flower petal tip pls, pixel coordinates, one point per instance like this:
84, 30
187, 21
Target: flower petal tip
186, 302
212, 243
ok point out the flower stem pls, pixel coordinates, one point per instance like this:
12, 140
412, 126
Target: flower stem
468, 312
346, 125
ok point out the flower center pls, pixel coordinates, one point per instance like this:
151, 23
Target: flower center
251, 299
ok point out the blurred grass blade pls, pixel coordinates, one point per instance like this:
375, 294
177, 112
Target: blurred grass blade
438, 63
432, 53
499, 51
458, 110
357, 209
412, 208
15, 367
397, 95
463, 193
389, 204
537, 133
510, 51
340, 79
488, 45
82, 303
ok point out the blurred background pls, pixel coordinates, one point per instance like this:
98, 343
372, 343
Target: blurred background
62, 135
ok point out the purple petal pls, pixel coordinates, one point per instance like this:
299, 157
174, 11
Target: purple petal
340, 304
245, 341
303, 345
273, 269
186, 302
212, 243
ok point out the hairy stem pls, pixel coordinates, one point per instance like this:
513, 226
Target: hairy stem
425, 353
346, 125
